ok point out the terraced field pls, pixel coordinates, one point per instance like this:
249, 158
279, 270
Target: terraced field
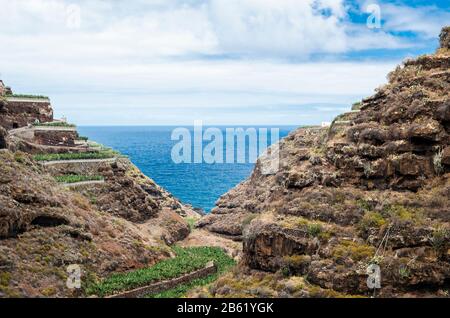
186, 260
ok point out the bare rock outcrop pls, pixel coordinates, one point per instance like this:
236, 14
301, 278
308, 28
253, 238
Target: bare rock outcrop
3, 136
445, 38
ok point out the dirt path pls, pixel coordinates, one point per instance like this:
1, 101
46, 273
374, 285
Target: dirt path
200, 237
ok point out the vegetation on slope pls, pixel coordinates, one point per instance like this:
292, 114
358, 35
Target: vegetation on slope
104, 154
187, 260
27, 96
56, 124
73, 178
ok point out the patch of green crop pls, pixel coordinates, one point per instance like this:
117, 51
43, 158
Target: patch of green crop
73, 178
27, 96
181, 290
186, 260
55, 124
104, 154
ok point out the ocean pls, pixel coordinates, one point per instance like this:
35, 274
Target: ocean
150, 148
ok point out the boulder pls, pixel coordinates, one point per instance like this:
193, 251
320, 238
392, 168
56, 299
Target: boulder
443, 112
428, 130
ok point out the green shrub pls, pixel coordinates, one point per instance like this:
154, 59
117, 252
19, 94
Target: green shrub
437, 162
191, 222
314, 229
353, 250
403, 213
371, 220
440, 239
364, 205
83, 138
404, 272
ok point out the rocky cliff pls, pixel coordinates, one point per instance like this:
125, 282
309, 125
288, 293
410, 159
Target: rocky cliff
374, 188
122, 223
126, 223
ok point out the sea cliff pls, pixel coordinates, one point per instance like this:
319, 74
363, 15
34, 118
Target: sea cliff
372, 189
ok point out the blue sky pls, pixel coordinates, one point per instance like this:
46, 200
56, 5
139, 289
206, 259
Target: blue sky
236, 62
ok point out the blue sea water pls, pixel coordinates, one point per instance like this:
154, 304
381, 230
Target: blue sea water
150, 147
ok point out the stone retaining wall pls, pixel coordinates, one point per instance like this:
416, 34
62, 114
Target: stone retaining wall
155, 288
55, 138
80, 167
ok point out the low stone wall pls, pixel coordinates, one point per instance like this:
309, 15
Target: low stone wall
84, 184
80, 167
155, 288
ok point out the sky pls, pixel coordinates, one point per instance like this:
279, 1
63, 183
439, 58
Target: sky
225, 62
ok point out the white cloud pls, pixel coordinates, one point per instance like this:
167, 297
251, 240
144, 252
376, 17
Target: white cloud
426, 20
150, 29
154, 55
219, 91
273, 27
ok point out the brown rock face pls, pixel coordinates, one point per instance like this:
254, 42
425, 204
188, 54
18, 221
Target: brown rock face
445, 38
3, 134
55, 138
446, 156
16, 114
373, 188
